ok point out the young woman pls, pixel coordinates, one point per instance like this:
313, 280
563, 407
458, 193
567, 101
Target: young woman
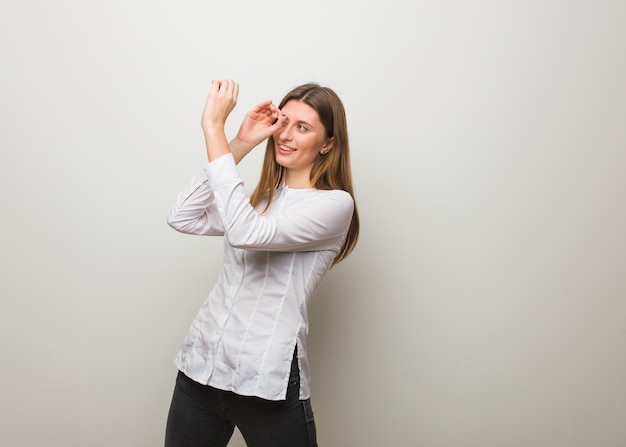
244, 360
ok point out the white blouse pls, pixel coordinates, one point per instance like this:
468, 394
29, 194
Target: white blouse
244, 336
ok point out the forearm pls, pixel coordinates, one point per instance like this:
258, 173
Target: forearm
221, 101
194, 210
239, 149
216, 142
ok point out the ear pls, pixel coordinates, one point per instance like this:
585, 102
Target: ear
327, 146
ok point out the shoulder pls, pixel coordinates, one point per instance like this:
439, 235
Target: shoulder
329, 194
333, 199
339, 195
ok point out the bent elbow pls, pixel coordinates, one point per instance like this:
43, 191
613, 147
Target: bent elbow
174, 223
247, 239
178, 223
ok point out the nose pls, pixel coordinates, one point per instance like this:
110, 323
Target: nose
286, 133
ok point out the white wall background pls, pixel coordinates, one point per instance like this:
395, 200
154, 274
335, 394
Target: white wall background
486, 302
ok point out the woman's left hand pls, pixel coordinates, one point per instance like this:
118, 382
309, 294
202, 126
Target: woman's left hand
259, 123
221, 101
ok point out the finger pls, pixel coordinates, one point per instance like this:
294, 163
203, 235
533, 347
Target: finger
235, 90
270, 111
229, 85
215, 86
229, 89
280, 122
275, 111
262, 107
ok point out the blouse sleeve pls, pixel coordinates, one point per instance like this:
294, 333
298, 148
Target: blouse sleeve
194, 211
319, 222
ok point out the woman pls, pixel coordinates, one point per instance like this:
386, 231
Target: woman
244, 360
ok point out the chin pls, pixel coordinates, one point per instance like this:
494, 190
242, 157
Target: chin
280, 159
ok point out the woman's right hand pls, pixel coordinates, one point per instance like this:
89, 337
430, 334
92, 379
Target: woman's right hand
220, 102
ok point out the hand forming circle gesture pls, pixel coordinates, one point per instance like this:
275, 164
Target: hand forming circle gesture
259, 123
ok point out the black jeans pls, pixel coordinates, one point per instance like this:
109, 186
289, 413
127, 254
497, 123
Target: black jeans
203, 416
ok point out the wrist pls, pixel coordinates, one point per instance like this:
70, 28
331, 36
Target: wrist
240, 144
212, 128
239, 148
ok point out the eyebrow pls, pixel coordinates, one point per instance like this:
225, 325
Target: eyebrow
306, 123
303, 122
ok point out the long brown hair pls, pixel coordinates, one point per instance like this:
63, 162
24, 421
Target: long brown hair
331, 170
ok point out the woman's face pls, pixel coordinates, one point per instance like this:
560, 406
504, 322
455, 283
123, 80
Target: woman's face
299, 142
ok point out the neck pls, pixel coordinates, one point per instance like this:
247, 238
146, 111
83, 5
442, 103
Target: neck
298, 180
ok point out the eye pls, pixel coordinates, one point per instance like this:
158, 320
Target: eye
302, 128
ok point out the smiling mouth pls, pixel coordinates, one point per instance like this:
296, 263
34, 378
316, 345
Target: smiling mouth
286, 148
